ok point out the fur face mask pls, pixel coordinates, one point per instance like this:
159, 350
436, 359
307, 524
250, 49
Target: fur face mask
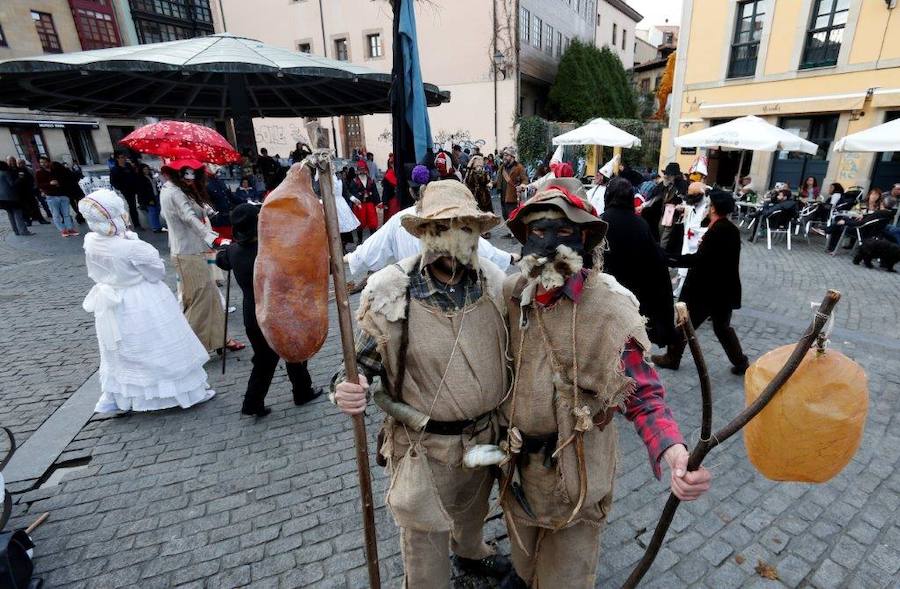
453, 239
553, 251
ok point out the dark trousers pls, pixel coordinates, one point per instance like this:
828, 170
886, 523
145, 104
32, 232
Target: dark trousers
721, 321
507, 208
74, 202
835, 231
131, 199
265, 360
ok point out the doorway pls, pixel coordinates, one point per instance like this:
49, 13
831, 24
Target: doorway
792, 167
81, 146
352, 134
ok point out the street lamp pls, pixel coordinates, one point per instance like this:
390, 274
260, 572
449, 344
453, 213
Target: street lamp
498, 64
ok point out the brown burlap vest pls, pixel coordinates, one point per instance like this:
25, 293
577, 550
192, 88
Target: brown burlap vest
466, 348
545, 350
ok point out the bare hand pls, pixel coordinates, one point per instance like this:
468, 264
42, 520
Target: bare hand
687, 486
351, 398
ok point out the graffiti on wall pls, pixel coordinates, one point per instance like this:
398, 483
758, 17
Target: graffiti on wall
279, 137
850, 167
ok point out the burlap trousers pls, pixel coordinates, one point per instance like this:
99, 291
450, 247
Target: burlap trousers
465, 493
200, 299
563, 558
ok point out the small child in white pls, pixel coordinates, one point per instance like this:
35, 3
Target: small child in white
149, 356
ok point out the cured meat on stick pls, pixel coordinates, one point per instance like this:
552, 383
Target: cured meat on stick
291, 274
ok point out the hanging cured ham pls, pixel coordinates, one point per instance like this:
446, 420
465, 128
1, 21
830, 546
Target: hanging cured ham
291, 275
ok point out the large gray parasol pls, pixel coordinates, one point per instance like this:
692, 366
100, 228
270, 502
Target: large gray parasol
217, 76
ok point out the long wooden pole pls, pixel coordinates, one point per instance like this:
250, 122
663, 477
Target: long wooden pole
342, 300
708, 442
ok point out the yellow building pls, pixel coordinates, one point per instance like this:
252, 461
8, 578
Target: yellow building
819, 68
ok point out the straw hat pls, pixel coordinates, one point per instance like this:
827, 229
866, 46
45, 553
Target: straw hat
561, 195
445, 200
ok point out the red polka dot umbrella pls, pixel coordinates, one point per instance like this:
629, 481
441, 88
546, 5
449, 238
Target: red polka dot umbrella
179, 139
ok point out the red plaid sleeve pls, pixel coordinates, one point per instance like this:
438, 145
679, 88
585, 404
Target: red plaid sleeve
647, 408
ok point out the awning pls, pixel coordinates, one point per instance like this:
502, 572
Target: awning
886, 97
50, 124
781, 106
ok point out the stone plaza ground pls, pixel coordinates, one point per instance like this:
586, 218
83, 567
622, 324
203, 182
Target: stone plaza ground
207, 498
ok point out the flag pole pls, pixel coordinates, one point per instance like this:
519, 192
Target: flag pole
342, 301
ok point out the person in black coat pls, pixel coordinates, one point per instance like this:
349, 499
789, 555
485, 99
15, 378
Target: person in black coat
636, 261
712, 289
240, 257
668, 192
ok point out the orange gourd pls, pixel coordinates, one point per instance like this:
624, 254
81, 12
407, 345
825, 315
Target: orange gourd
814, 424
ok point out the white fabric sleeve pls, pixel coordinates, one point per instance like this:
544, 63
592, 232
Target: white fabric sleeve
147, 261
498, 256
374, 253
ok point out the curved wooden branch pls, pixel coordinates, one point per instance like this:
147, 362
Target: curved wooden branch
708, 442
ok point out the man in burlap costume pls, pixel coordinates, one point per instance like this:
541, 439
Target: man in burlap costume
577, 342
432, 328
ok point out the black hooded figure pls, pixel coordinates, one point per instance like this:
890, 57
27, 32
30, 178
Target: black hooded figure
635, 259
240, 258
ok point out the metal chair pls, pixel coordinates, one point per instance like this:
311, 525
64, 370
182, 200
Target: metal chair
777, 223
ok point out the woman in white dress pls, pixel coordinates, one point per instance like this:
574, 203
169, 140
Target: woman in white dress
149, 356
347, 221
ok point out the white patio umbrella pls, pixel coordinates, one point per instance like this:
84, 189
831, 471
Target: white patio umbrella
598, 132
884, 137
746, 133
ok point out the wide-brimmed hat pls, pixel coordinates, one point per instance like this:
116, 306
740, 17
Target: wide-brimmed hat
560, 194
445, 200
672, 169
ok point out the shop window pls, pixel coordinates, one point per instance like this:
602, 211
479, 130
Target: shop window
825, 34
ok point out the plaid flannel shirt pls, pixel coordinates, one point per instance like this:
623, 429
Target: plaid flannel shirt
422, 287
646, 408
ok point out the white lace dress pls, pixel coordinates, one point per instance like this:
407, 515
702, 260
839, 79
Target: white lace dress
149, 356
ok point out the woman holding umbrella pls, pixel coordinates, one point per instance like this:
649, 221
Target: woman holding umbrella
186, 207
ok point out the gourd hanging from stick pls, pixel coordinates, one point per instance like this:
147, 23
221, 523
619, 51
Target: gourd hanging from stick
708, 440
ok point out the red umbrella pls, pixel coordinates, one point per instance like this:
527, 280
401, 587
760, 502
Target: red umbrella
178, 139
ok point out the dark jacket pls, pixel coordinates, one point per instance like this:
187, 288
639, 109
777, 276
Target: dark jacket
8, 197
223, 201
124, 179
147, 191
713, 281
367, 193
636, 261
660, 196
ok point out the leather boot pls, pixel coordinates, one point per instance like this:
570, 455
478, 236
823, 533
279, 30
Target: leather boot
732, 346
672, 358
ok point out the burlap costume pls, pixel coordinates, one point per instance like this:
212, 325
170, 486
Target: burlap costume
443, 505
557, 391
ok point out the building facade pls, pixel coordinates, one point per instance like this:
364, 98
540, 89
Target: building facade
38, 27
497, 58
819, 68
615, 28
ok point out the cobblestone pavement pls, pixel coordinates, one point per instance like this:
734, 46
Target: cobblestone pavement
206, 498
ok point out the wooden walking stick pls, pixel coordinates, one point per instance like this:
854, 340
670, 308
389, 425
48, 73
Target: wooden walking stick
342, 301
225, 334
708, 441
